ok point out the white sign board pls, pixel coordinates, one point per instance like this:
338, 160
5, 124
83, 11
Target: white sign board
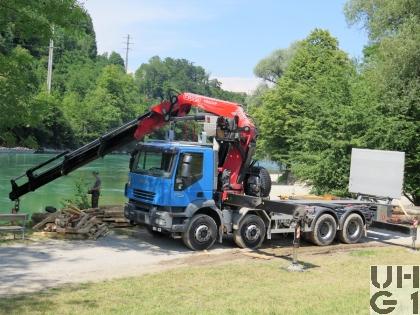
210, 125
377, 172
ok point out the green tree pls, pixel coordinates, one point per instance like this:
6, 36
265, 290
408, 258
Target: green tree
272, 67
116, 59
25, 30
304, 118
391, 73
114, 100
158, 77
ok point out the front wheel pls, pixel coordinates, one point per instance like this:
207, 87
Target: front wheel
201, 232
250, 233
352, 230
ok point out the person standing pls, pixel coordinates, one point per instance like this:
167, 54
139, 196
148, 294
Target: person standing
95, 191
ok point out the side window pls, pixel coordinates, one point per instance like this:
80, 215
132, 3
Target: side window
196, 170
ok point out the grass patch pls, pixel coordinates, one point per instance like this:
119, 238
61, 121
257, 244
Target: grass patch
336, 284
363, 253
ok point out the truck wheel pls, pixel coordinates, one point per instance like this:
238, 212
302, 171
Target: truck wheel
265, 182
324, 230
352, 230
201, 232
250, 233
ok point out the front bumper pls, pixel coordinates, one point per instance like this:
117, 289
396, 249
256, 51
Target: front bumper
154, 217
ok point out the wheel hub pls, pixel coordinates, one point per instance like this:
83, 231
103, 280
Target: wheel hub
352, 229
325, 230
252, 232
202, 233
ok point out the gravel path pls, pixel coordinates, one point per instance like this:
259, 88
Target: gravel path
48, 263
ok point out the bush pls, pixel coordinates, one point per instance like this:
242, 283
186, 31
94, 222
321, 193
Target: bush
80, 197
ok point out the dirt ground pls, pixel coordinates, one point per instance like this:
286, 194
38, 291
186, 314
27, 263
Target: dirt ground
38, 264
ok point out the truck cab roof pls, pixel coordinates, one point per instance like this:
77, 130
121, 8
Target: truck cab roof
174, 145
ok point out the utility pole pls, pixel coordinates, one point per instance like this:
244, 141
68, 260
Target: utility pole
50, 62
127, 48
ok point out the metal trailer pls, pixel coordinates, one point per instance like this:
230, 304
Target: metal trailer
320, 221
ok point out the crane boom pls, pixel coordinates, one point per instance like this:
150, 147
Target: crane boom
237, 153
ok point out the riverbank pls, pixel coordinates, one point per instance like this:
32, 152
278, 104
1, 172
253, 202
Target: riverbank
16, 150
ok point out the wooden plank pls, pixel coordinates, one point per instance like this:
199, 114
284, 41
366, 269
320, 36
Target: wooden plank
11, 228
82, 221
13, 216
50, 219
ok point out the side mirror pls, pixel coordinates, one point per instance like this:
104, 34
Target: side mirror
186, 166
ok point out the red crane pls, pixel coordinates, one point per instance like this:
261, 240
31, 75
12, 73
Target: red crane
236, 135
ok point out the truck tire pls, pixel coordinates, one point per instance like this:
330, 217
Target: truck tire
201, 232
324, 230
250, 233
265, 182
352, 230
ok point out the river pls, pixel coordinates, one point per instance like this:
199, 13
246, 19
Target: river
113, 171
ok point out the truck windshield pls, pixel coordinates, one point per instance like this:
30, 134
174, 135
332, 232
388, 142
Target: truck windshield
153, 163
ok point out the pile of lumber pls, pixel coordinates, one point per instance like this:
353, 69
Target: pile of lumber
92, 223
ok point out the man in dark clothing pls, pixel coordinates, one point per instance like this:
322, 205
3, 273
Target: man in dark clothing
95, 190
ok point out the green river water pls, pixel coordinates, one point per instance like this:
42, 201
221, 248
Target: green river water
113, 171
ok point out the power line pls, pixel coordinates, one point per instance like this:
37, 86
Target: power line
127, 48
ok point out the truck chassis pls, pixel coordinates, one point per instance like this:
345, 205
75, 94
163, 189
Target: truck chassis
251, 220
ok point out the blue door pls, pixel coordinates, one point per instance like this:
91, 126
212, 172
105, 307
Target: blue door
197, 186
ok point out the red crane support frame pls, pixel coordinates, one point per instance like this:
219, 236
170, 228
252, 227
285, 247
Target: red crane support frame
160, 114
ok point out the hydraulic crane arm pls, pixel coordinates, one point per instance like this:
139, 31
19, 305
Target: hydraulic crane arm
73, 160
237, 144
159, 115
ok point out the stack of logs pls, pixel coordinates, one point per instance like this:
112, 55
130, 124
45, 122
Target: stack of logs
92, 223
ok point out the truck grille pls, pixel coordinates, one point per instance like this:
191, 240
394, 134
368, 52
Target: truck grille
143, 194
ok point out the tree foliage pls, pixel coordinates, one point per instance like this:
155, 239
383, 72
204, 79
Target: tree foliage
272, 67
159, 77
91, 93
391, 73
304, 119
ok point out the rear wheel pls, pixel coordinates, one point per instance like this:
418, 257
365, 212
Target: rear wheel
250, 233
324, 230
201, 232
352, 230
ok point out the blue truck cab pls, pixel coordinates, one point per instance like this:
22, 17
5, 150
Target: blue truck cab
169, 183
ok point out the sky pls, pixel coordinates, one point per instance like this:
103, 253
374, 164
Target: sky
226, 37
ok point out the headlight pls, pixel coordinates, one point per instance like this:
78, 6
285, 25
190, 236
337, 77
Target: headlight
160, 221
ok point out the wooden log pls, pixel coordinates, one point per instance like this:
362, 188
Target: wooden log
50, 219
88, 225
102, 230
39, 216
71, 211
75, 209
83, 220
